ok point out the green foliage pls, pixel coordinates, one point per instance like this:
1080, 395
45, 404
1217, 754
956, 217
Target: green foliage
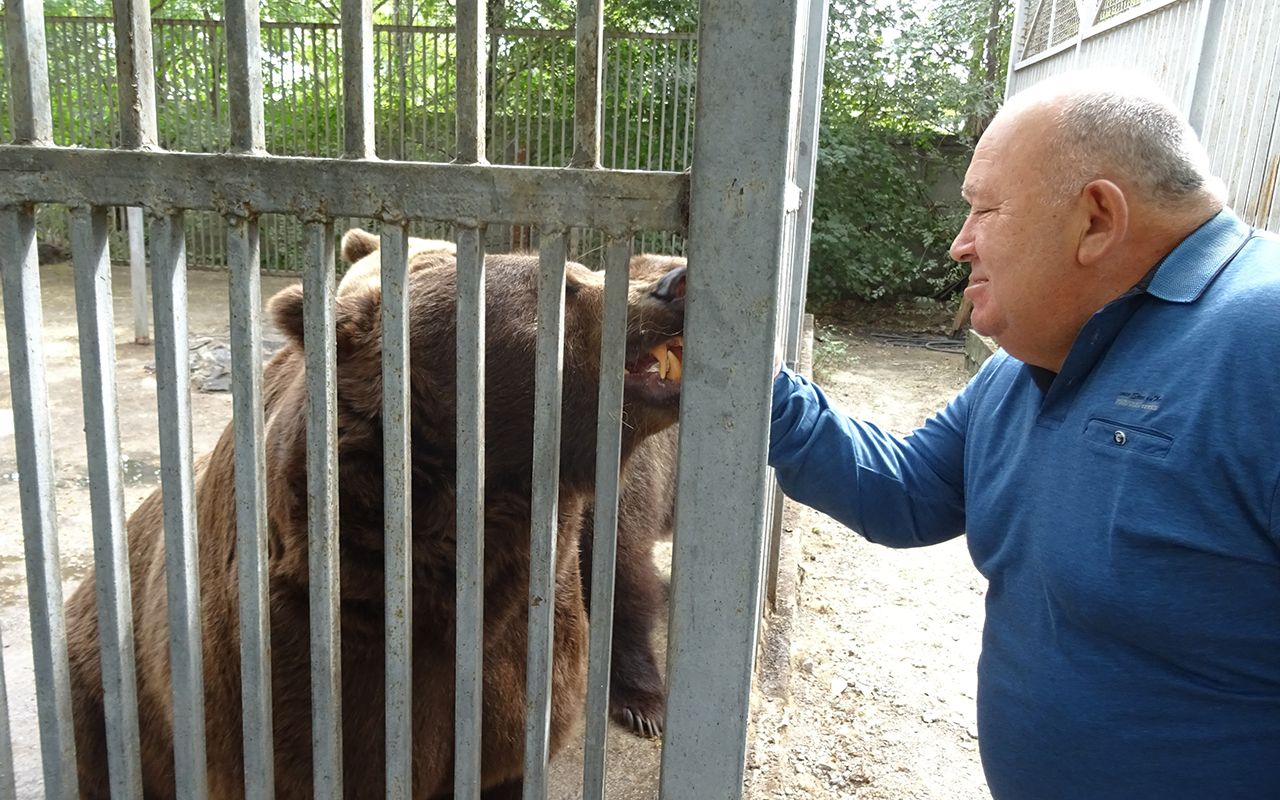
905, 90
876, 230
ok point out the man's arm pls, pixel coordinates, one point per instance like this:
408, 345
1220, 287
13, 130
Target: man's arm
901, 492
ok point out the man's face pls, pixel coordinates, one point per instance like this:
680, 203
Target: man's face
1018, 242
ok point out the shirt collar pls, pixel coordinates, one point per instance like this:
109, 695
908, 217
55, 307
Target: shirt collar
1184, 274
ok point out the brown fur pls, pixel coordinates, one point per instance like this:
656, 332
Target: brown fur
509, 403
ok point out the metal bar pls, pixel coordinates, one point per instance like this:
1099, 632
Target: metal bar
470, 520
617, 103
169, 298
251, 506
136, 74
138, 276
544, 509
28, 66
319, 334
20, 269
613, 346
8, 785
805, 169
357, 78
106, 497
471, 83
397, 491
731, 320
1203, 61
244, 75
282, 185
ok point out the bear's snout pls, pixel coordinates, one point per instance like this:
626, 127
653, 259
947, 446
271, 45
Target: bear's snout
671, 286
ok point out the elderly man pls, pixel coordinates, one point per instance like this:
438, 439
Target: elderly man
1116, 467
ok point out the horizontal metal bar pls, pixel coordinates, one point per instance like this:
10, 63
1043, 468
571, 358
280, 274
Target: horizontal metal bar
106, 497
318, 188
688, 36
23, 323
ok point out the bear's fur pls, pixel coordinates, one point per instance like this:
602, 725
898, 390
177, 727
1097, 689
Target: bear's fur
637, 699
655, 313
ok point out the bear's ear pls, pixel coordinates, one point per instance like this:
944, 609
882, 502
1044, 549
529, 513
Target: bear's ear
286, 309
358, 243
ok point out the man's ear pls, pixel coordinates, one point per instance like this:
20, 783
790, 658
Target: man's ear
1107, 222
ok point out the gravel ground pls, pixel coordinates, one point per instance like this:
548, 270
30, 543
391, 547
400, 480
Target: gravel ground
883, 643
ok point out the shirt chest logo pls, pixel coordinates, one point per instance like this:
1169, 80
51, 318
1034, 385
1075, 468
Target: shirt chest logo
1139, 400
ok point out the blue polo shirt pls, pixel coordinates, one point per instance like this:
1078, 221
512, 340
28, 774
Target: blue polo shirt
1126, 513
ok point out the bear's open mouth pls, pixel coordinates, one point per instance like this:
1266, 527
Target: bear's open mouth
654, 376
663, 360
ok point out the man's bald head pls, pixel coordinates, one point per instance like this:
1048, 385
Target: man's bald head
1119, 127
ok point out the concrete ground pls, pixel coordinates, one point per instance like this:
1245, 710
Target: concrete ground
633, 762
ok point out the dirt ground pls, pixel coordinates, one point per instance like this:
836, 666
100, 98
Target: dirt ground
880, 701
884, 643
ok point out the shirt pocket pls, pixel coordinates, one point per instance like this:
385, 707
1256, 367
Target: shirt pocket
1122, 437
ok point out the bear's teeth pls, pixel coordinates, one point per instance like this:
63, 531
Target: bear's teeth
674, 368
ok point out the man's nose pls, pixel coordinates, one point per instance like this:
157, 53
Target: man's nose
962, 245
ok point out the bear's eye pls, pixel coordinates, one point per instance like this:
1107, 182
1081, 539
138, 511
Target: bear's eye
571, 288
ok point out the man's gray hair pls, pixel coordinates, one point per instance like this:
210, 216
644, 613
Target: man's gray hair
1122, 126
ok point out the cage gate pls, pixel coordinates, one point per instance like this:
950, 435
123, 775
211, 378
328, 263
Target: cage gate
745, 209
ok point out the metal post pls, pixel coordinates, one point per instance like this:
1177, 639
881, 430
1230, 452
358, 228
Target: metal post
357, 78
588, 72
613, 345
742, 138
471, 83
322, 511
470, 522
20, 269
106, 497
545, 509
177, 482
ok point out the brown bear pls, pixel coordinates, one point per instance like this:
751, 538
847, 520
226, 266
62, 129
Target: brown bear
646, 508
655, 314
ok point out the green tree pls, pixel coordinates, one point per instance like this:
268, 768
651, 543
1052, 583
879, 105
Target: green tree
905, 91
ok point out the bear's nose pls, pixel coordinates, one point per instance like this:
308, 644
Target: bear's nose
671, 286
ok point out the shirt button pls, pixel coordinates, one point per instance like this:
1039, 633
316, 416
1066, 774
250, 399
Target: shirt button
1119, 437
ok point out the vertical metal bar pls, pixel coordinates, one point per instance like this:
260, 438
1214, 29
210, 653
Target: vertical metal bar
470, 522
106, 497
545, 508
617, 102
662, 115
28, 66
136, 73
20, 269
805, 169
397, 492
322, 510
613, 345
651, 85
357, 78
471, 82
588, 72
251, 506
138, 276
169, 298
244, 75
8, 786
1203, 61
626, 124
731, 320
